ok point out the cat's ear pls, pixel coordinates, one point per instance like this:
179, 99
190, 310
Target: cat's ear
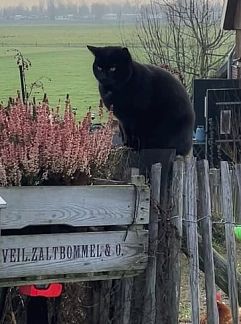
94, 50
126, 52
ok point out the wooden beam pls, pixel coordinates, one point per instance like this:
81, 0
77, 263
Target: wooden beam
205, 213
230, 239
229, 10
237, 16
70, 277
225, 5
190, 216
176, 238
41, 255
74, 205
149, 314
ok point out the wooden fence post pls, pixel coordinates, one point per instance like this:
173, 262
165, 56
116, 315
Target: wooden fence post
190, 212
176, 237
104, 301
164, 285
129, 291
238, 177
149, 314
206, 228
214, 184
230, 240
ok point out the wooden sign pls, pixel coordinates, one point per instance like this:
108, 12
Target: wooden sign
85, 252
42, 255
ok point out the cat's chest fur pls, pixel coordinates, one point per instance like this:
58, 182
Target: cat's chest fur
132, 100
120, 101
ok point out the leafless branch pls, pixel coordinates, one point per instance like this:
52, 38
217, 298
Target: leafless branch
184, 34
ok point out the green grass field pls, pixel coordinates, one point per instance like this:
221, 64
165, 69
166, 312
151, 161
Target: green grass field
58, 53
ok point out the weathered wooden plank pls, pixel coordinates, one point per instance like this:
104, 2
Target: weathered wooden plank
3, 296
176, 222
105, 295
149, 313
229, 235
74, 205
190, 215
214, 185
95, 302
37, 255
123, 288
121, 301
238, 179
73, 277
204, 213
117, 302
237, 21
142, 194
235, 196
164, 306
127, 285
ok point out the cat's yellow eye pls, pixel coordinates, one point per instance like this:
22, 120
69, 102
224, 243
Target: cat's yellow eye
99, 68
113, 69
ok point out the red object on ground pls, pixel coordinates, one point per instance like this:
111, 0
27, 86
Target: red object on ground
51, 290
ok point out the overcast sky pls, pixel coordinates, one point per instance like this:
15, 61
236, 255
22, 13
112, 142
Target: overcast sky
4, 3
29, 3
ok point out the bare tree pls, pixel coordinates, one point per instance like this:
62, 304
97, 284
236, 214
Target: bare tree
186, 35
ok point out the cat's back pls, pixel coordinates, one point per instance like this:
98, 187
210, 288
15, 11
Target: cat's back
165, 89
159, 77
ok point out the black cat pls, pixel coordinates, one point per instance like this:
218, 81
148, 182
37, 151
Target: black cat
151, 105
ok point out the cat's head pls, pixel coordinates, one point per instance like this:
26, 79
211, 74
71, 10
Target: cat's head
112, 65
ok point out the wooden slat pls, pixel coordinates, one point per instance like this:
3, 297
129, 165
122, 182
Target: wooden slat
190, 215
235, 196
127, 285
214, 185
37, 255
204, 213
176, 221
238, 193
229, 9
149, 314
237, 16
124, 295
73, 277
74, 205
105, 296
230, 240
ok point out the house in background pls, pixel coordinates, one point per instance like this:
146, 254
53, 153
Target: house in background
231, 20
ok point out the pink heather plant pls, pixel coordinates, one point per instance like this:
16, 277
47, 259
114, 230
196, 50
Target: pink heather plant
37, 146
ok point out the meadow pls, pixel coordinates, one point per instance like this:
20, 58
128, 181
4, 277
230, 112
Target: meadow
59, 57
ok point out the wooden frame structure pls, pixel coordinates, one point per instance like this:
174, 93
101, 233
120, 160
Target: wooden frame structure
119, 241
105, 238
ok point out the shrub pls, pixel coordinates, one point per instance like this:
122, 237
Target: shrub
38, 146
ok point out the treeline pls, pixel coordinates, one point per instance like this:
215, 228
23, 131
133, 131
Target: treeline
54, 10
